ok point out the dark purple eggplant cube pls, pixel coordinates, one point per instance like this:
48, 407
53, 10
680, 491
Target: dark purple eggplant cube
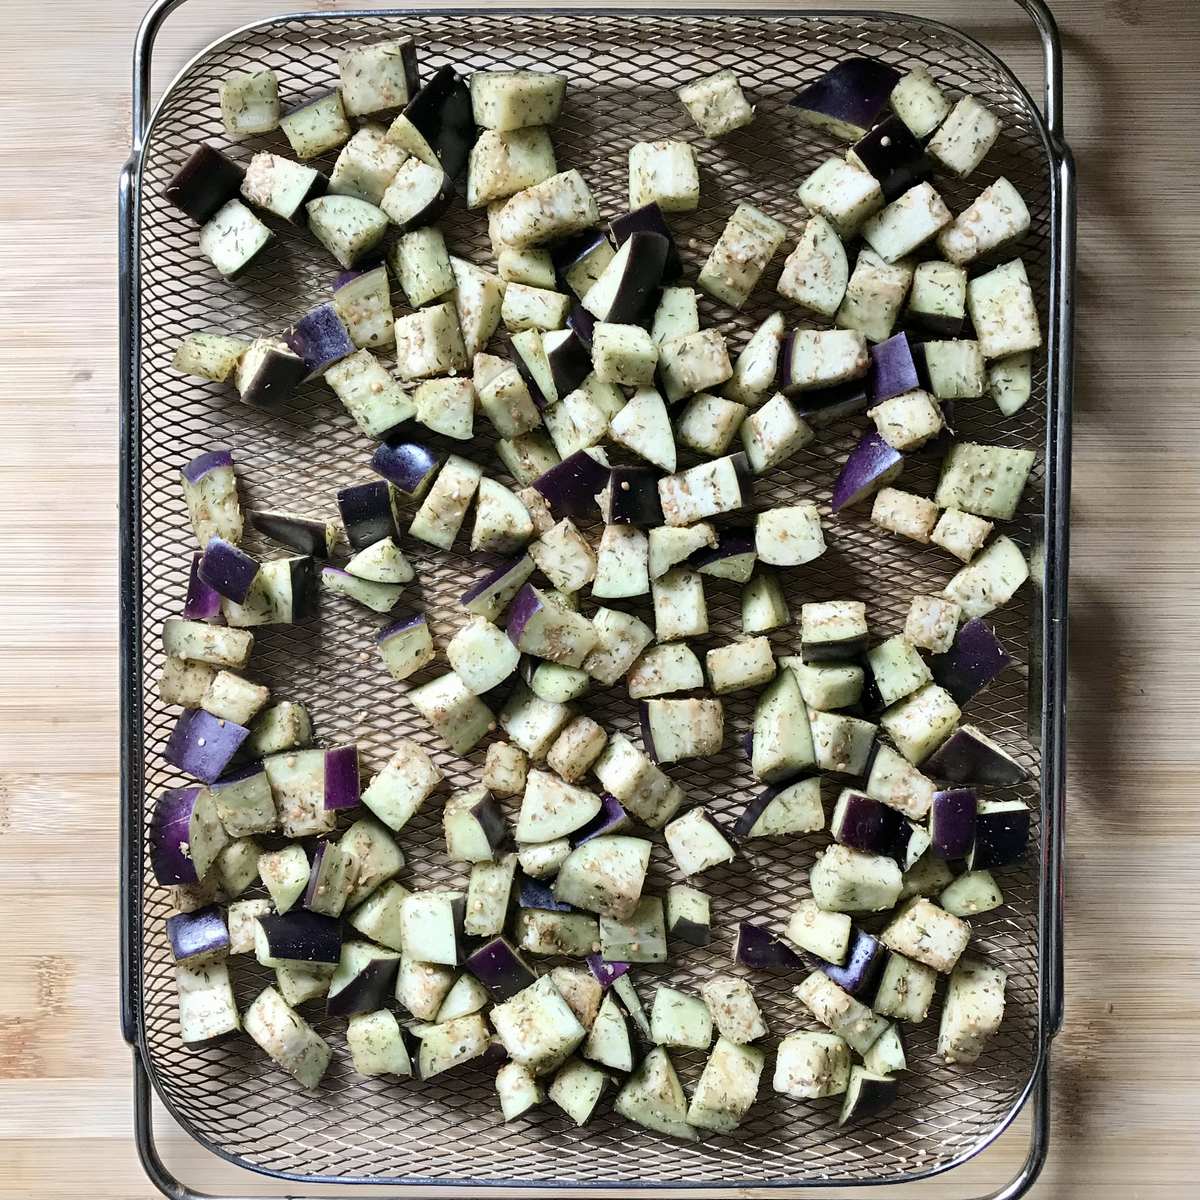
606, 973
368, 990
198, 937
321, 339
300, 935
970, 756
631, 497
571, 486
533, 893
893, 369
368, 512
500, 969
442, 115
872, 464
864, 961
863, 823
894, 156
203, 601
1001, 834
760, 949
584, 325
342, 782
305, 535
570, 360
407, 466
972, 662
202, 745
228, 569
850, 97
952, 822
206, 181
649, 219
612, 818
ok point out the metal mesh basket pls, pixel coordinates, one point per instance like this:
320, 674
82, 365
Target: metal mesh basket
622, 67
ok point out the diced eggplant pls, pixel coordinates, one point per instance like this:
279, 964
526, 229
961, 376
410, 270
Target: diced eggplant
897, 668
921, 722
376, 1044
688, 915
664, 173
653, 1098
930, 935
363, 298
735, 265
926, 877
444, 508
205, 183
783, 810
285, 873
430, 342
894, 155
680, 1021
864, 823
488, 894
984, 480
874, 295
574, 751
821, 358
676, 314
431, 926
759, 949
971, 893
577, 1088
643, 425
716, 103
673, 730
844, 879
436, 125
534, 893
825, 934
516, 1087
552, 808
907, 223
368, 510
840, 1012
317, 126
972, 1012
378, 916
955, 369
911, 844
965, 136
474, 826
663, 669
937, 302
282, 187
782, 738
198, 937
417, 196
608, 1040
608, 974
490, 595
532, 723
250, 101
841, 196
893, 369
232, 238
541, 860
403, 785
482, 655
1001, 834
212, 356
462, 719
202, 745
571, 487
773, 433
905, 514
858, 975
228, 569
537, 1027
370, 395
919, 102
624, 354
604, 875
789, 536
378, 76
637, 783
630, 497
931, 624
421, 987
811, 1065
706, 490
639, 938
505, 162
566, 558
364, 980
379, 861
679, 606
648, 219
208, 1012
203, 602
990, 580
538, 625
478, 299
197, 641
693, 363
229, 697
764, 606
281, 726
734, 1009
366, 165
555, 683
905, 989
297, 779
971, 663
381, 562
305, 535
516, 100
867, 1094
555, 208
849, 98
287, 1038
298, 936
996, 217
1010, 382
349, 228
500, 969
1003, 311
405, 645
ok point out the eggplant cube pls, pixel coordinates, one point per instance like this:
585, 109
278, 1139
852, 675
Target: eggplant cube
874, 295
364, 302
716, 103
962, 533
844, 195
474, 826
789, 536
746, 245
919, 102
1003, 311
987, 481
727, 1087
782, 744
680, 1021
654, 1098
537, 1027
397, 793
462, 719
955, 369
370, 395
773, 433
734, 1009
432, 926
207, 1008
629, 775
676, 314
232, 237
782, 810
928, 934
379, 76
318, 126
482, 655
696, 844
903, 513
605, 875
906, 422
503, 163
705, 490
250, 102
349, 228
745, 664
576, 748
907, 223
842, 744
444, 508
920, 722
931, 623
848, 880
822, 358
577, 1088
212, 356
376, 1044
664, 173
366, 165
516, 100
517, 1089
287, 1038
972, 1012
552, 808
849, 98
554, 208
430, 342
564, 556
281, 186
997, 216
825, 934
1010, 382
840, 1012
679, 607
663, 669
898, 669
619, 639
638, 938
971, 893
991, 580
532, 723
809, 1066
624, 354
1001, 834
938, 299
693, 363
905, 989
688, 915
405, 646
677, 729
965, 137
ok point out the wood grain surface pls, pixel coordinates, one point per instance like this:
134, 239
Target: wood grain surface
1126, 1090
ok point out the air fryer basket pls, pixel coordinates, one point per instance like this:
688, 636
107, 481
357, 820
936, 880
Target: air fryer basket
623, 67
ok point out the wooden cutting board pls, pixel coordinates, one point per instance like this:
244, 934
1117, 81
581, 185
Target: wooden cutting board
1125, 1078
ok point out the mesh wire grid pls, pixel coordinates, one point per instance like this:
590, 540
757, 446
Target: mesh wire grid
622, 68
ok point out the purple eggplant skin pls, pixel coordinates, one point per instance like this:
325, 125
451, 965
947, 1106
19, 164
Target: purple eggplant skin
872, 464
637, 293
441, 113
865, 824
368, 512
760, 949
952, 822
228, 569
972, 662
606, 973
314, 873
498, 966
853, 95
526, 604
647, 732
633, 497
967, 756
202, 745
874, 1095
320, 338
584, 325
342, 782
903, 851
302, 572
361, 268
565, 254
571, 486
612, 818
825, 406
1001, 836
399, 627
170, 834
490, 579
299, 935
894, 156
490, 816
755, 809
533, 893
305, 535
369, 990
206, 181
204, 464
570, 360
407, 466
198, 937
278, 375
648, 219
893, 368
864, 961
203, 601
731, 543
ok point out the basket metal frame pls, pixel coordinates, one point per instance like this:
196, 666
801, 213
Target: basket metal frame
1057, 449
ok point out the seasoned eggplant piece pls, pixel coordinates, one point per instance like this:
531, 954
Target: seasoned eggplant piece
379, 76
205, 184
849, 98
436, 125
250, 102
